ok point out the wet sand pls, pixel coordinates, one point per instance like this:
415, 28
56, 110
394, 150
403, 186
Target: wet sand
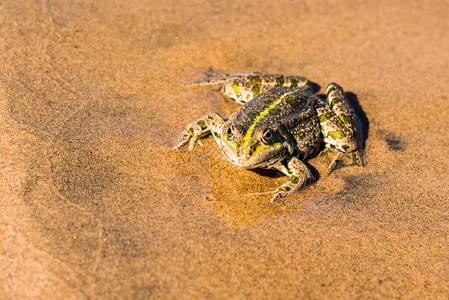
95, 204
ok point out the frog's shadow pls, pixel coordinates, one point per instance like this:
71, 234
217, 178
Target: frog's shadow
364, 123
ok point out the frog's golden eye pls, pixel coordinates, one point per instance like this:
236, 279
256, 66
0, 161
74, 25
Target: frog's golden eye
231, 130
267, 137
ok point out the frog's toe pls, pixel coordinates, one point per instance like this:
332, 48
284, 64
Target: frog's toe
192, 142
359, 158
182, 141
334, 162
262, 193
277, 197
343, 159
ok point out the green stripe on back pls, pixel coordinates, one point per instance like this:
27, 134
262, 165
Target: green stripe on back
249, 133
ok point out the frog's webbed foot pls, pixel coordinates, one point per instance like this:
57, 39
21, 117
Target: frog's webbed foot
337, 157
195, 130
299, 177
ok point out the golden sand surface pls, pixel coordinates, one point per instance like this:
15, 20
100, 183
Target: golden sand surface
95, 204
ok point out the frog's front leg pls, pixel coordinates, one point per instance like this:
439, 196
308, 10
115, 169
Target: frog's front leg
299, 177
209, 123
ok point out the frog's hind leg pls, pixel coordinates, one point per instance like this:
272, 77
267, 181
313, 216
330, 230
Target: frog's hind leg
243, 87
235, 87
240, 91
340, 126
218, 78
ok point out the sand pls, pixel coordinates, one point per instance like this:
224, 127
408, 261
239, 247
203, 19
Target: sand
95, 204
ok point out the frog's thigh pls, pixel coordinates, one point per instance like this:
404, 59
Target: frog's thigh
240, 91
340, 106
266, 81
202, 126
299, 177
335, 134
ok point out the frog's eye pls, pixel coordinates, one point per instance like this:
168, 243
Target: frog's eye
231, 130
267, 137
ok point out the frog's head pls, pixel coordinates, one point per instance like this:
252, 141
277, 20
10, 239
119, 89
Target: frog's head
253, 147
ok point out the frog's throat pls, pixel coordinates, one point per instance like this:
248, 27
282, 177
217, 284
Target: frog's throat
249, 133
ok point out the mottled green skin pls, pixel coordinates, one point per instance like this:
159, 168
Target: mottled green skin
292, 122
281, 124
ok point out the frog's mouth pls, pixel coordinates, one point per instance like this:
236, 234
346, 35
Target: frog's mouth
245, 159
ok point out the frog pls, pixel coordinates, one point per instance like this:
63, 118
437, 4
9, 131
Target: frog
280, 125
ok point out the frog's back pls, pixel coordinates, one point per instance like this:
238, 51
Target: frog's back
274, 106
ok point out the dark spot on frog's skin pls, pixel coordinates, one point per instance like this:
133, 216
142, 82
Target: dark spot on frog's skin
301, 135
294, 179
280, 81
255, 90
325, 117
274, 112
346, 119
202, 124
336, 134
191, 130
284, 189
292, 100
330, 115
255, 79
253, 114
294, 83
335, 101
